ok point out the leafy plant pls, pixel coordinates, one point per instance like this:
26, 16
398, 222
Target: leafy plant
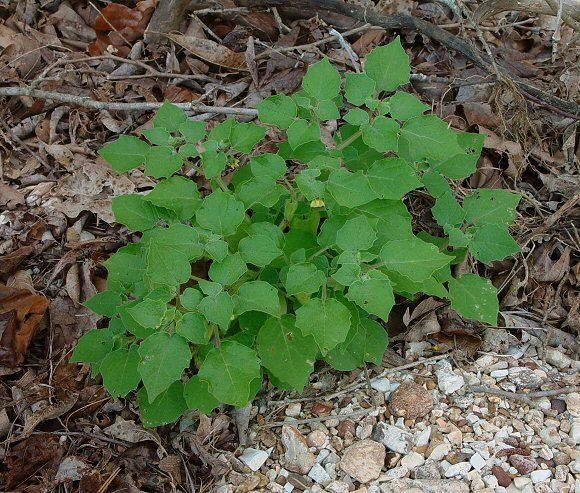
302, 252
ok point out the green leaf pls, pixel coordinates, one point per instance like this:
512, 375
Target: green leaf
447, 211
375, 296
220, 213
285, 352
222, 132
104, 303
119, 370
475, 298
404, 106
307, 183
390, 218
428, 137
347, 273
462, 165
268, 165
148, 313
92, 347
326, 110
229, 370
258, 296
170, 117
229, 270
197, 396
245, 136
214, 163
381, 134
177, 194
279, 110
356, 116
301, 132
125, 153
193, 327
304, 278
157, 136
218, 309
162, 162
178, 238
413, 258
166, 408
190, 298
165, 266
436, 184
216, 248
193, 131
163, 359
259, 250
350, 189
356, 234
322, 81
324, 162
366, 342
388, 66
328, 321
125, 268
487, 206
492, 242
135, 212
358, 88
260, 190
392, 178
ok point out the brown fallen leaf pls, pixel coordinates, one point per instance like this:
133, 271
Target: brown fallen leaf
21, 313
10, 197
9, 262
210, 51
118, 26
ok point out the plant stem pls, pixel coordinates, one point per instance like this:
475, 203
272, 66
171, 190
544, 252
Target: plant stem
316, 254
220, 182
198, 279
349, 140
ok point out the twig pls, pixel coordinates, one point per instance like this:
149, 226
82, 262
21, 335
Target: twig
318, 419
86, 102
525, 396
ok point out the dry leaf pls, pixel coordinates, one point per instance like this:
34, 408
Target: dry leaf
20, 315
210, 51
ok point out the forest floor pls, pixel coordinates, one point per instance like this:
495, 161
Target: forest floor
456, 406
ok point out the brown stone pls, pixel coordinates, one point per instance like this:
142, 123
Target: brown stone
363, 460
503, 478
346, 426
524, 465
411, 401
321, 409
297, 456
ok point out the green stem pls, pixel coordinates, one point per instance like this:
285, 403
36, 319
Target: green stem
198, 279
316, 254
349, 140
220, 182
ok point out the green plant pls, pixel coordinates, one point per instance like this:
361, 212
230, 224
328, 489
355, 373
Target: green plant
304, 249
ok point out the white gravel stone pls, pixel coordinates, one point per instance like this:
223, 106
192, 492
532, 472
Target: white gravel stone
254, 458
293, 409
550, 436
440, 451
477, 461
422, 438
499, 373
319, 474
557, 358
393, 438
381, 384
447, 380
459, 469
540, 475
412, 460
575, 431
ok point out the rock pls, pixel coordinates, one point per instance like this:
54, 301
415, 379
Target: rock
381, 384
496, 341
393, 438
411, 401
422, 437
557, 358
297, 456
363, 460
573, 402
574, 466
503, 478
447, 380
440, 451
550, 436
346, 426
425, 486
254, 458
499, 373
561, 459
299, 482
459, 469
520, 483
337, 487
322, 408
316, 438
477, 461
575, 431
319, 474
429, 470
293, 409
71, 469
523, 464
540, 475
524, 378
412, 460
